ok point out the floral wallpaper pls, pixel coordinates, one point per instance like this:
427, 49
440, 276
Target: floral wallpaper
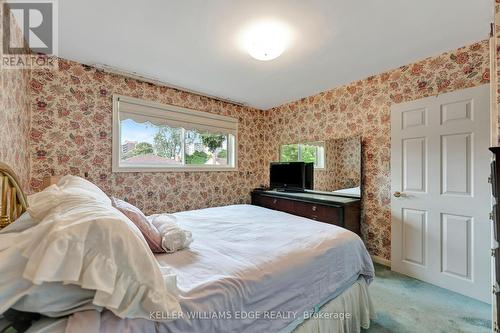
71, 133
495, 62
321, 180
15, 116
342, 165
59, 122
345, 161
363, 108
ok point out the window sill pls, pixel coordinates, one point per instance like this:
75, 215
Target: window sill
173, 169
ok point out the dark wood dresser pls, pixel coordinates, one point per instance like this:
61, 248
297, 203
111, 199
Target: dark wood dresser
495, 217
323, 207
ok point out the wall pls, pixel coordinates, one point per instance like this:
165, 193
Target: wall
71, 133
15, 117
344, 156
363, 108
495, 66
342, 165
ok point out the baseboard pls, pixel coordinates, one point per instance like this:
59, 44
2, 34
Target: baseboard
381, 261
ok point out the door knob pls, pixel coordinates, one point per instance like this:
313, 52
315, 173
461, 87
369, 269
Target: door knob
398, 194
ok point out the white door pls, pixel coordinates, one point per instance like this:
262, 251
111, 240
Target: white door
441, 195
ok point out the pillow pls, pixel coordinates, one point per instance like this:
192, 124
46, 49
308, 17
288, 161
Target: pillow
149, 231
86, 245
68, 188
173, 237
83, 187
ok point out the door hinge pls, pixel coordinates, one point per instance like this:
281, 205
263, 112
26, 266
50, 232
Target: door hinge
495, 288
492, 216
493, 252
489, 179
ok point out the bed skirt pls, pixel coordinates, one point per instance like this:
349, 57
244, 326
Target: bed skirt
347, 313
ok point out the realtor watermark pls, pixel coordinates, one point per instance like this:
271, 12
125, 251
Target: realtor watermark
245, 315
29, 34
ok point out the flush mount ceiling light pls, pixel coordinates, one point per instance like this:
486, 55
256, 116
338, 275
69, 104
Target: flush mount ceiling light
266, 40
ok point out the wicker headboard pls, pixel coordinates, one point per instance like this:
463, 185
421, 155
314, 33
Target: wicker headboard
13, 200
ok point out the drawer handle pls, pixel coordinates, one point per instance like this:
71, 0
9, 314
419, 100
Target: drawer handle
275, 201
314, 208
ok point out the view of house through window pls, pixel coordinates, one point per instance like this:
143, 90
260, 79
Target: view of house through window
150, 136
145, 144
312, 152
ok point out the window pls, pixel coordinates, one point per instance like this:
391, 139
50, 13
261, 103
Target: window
304, 152
150, 136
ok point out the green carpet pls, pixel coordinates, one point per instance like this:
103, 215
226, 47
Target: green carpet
408, 305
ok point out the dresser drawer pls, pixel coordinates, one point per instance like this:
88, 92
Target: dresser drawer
273, 203
322, 213
339, 212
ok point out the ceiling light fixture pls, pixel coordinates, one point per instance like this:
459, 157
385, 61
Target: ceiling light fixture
266, 40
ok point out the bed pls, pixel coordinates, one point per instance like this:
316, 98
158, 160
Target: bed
249, 269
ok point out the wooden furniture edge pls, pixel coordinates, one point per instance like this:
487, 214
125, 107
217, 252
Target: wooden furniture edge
349, 211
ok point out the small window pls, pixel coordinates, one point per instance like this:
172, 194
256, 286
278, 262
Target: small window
311, 152
149, 136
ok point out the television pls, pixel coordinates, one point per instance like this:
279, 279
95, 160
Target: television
291, 176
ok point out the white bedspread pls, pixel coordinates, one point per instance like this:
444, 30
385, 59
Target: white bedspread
248, 260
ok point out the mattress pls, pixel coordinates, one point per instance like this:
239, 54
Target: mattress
252, 269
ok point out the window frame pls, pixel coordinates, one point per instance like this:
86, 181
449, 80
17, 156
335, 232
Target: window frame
299, 152
232, 141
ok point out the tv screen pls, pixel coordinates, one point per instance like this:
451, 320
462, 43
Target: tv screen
291, 175
309, 180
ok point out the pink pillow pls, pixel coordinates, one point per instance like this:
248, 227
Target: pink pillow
148, 230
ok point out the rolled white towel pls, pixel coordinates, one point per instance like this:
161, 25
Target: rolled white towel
173, 237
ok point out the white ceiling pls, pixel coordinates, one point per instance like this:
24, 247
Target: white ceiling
194, 43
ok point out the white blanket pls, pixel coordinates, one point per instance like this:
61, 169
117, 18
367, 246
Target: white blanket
253, 269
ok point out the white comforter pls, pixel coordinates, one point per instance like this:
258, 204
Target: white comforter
252, 269
82, 255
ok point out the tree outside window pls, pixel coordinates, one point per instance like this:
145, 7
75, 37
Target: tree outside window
304, 152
